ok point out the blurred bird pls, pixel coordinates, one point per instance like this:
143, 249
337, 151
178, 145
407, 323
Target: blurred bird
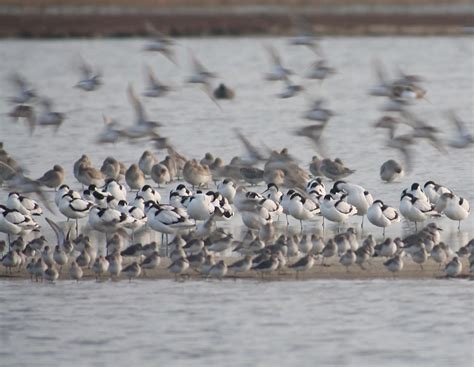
159, 43
154, 87
278, 71
90, 79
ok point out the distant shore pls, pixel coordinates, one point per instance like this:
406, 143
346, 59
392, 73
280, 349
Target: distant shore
375, 270
29, 21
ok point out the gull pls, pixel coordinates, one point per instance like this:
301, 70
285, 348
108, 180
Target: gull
90, 79
25, 92
142, 127
159, 43
382, 215
52, 178
391, 170
154, 87
278, 72
463, 137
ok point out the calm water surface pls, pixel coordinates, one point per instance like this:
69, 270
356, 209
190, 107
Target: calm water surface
243, 323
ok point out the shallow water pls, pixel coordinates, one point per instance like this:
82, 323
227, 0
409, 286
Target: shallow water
241, 323
195, 125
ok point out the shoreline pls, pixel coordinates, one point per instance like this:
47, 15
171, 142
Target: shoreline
335, 271
114, 21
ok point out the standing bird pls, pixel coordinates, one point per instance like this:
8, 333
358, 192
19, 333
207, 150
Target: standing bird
453, 268
355, 195
134, 177
53, 178
381, 215
454, 207
391, 170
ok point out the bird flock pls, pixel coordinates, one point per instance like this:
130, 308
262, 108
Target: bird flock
194, 200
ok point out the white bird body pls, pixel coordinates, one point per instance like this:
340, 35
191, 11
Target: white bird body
382, 215
336, 210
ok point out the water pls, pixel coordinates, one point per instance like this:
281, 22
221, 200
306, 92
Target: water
195, 125
242, 323
342, 323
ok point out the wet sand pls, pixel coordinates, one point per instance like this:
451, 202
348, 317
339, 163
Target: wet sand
375, 270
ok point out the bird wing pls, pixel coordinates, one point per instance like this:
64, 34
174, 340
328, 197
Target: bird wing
136, 104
